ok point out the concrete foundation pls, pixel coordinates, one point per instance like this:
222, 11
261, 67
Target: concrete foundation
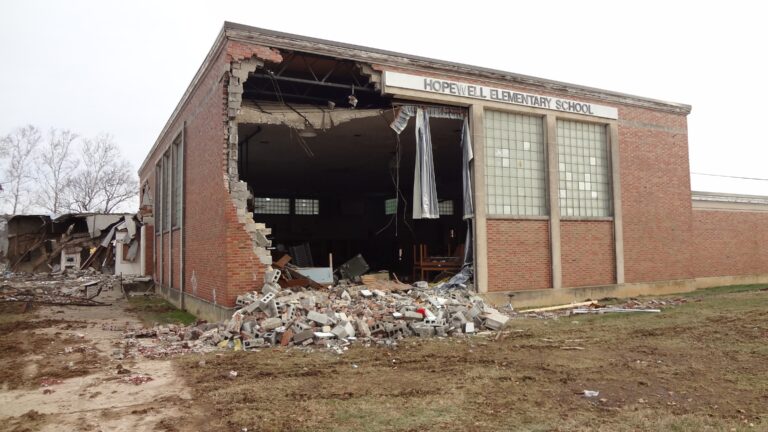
551, 297
198, 307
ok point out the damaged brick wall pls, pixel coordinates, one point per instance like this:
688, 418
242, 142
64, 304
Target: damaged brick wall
224, 252
205, 195
248, 256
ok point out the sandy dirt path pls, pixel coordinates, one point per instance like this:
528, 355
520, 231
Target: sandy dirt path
97, 401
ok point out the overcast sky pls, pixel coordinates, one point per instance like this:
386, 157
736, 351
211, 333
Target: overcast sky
121, 67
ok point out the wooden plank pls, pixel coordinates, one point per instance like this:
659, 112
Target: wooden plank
560, 307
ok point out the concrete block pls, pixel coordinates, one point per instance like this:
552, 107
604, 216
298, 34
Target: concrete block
270, 338
251, 307
459, 319
412, 316
318, 318
234, 324
495, 321
362, 328
304, 335
271, 323
300, 326
250, 344
339, 331
324, 335
268, 288
441, 331
469, 327
378, 329
290, 313
272, 276
349, 328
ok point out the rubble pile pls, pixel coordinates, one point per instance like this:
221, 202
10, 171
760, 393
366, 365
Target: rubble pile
72, 287
332, 318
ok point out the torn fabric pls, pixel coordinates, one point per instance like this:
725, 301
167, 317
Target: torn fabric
466, 174
424, 188
405, 112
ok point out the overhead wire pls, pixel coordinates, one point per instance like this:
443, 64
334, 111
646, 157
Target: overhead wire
291, 130
395, 176
729, 176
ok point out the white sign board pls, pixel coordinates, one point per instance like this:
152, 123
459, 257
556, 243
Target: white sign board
475, 91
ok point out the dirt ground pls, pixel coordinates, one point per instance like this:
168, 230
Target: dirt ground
58, 372
697, 366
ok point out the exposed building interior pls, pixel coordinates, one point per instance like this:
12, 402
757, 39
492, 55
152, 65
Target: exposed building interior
332, 179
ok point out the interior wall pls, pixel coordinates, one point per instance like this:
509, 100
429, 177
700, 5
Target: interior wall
351, 172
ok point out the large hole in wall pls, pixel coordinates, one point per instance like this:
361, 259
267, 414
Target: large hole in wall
334, 194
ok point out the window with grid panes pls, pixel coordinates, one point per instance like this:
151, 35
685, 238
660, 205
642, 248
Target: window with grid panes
584, 169
263, 205
178, 178
445, 208
515, 164
157, 204
390, 206
167, 191
303, 206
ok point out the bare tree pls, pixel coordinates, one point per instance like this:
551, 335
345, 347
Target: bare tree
19, 147
57, 163
104, 180
118, 186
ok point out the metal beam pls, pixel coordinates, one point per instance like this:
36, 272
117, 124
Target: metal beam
312, 82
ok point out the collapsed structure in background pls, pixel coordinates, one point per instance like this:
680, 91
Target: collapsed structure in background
320, 152
110, 243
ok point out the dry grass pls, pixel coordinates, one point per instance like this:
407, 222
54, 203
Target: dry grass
694, 367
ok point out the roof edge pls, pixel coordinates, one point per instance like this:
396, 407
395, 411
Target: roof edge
729, 197
277, 39
293, 41
204, 66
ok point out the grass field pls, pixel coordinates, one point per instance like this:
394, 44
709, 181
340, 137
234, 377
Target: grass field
702, 365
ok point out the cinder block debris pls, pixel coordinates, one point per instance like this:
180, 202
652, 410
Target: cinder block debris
333, 317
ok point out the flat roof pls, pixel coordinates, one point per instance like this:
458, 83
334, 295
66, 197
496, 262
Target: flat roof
284, 40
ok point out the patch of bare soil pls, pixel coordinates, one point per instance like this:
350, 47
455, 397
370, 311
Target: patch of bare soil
58, 372
29, 359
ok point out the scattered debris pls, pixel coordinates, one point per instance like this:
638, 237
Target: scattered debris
70, 288
47, 382
590, 393
612, 309
137, 379
565, 306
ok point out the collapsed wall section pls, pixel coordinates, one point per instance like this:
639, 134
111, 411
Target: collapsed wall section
247, 244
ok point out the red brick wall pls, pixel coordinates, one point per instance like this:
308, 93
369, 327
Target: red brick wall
214, 238
149, 245
656, 195
587, 253
244, 270
727, 243
518, 255
176, 260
